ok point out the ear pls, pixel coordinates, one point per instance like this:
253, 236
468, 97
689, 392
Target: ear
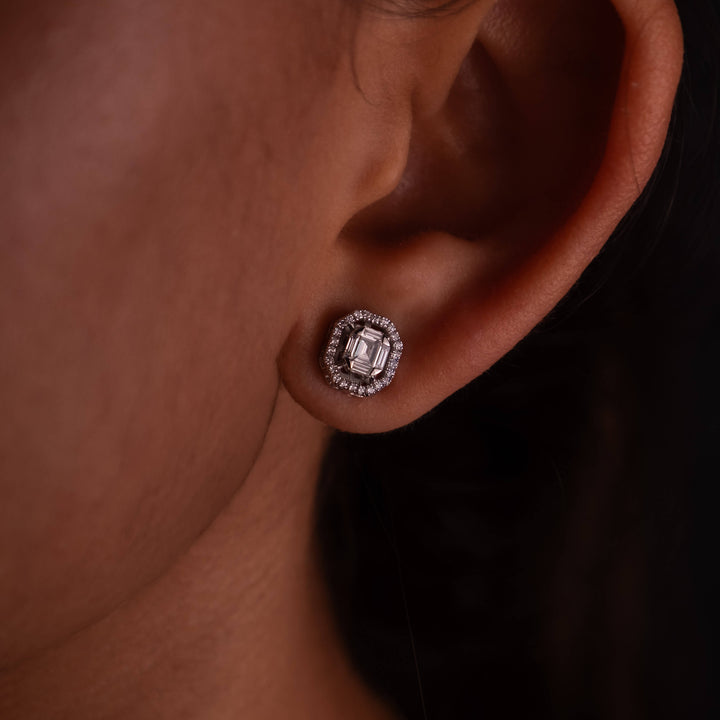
509, 141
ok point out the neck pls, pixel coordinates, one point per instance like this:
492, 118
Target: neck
238, 627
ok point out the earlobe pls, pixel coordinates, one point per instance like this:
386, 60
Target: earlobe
517, 172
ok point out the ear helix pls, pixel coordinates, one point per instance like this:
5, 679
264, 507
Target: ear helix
361, 353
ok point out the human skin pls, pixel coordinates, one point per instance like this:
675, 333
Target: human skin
190, 194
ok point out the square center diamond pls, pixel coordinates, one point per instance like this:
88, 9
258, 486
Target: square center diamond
366, 352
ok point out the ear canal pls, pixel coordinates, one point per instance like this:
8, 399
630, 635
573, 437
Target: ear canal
516, 144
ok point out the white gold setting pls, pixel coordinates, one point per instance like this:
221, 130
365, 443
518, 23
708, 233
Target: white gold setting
361, 354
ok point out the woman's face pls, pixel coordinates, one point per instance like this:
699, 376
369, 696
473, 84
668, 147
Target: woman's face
162, 169
175, 178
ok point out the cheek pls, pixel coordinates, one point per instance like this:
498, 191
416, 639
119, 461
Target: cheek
143, 296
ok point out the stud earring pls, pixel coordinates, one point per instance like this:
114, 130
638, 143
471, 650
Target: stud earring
361, 354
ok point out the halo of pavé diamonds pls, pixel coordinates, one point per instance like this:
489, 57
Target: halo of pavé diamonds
361, 354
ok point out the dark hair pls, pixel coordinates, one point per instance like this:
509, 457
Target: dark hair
541, 545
